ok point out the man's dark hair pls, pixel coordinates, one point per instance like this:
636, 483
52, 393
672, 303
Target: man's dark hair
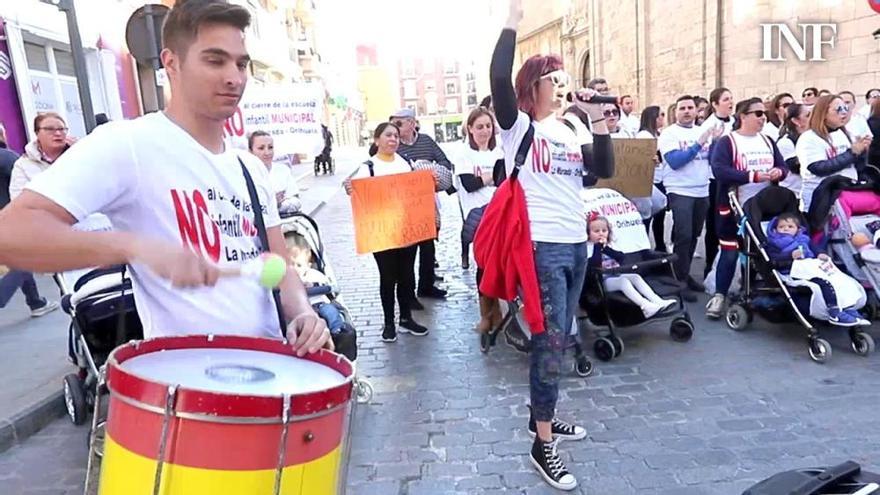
868, 94
685, 97
188, 16
596, 81
814, 90
848, 92
625, 97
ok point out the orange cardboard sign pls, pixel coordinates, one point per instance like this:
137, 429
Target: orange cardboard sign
393, 211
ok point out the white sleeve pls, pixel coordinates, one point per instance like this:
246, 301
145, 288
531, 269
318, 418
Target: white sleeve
667, 142
810, 149
18, 179
786, 148
264, 187
511, 138
98, 174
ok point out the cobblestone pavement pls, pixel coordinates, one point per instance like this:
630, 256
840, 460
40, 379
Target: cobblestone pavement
711, 416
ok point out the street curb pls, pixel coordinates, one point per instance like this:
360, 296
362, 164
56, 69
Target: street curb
15, 430
323, 203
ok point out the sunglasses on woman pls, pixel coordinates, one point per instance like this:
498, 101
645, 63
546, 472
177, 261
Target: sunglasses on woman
842, 109
808, 94
559, 78
758, 113
611, 113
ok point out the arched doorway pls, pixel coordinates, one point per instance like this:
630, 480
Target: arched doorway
585, 69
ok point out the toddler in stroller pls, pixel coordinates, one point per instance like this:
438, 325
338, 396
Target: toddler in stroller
789, 247
631, 275
632, 285
775, 286
306, 254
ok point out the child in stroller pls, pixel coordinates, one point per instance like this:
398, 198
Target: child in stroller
632, 285
301, 257
789, 247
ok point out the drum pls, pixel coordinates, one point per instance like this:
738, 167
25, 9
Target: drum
225, 415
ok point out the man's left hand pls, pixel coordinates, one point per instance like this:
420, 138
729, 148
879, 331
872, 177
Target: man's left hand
311, 333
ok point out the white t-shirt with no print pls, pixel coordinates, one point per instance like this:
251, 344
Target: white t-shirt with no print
811, 148
381, 167
552, 178
151, 178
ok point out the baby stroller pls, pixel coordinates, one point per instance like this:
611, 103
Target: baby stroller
102, 316
612, 310
300, 229
764, 288
842, 221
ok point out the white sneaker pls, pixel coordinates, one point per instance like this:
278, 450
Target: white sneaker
667, 303
44, 309
715, 306
650, 309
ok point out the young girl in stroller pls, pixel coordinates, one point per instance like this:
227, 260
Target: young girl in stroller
632, 285
788, 245
300, 254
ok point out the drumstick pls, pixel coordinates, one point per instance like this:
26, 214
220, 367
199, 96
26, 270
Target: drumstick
268, 270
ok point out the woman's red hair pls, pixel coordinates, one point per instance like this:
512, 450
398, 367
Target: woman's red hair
528, 77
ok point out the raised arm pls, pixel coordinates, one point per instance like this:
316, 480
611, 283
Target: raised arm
503, 94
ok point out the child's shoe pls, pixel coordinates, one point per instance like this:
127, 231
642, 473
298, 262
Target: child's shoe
841, 318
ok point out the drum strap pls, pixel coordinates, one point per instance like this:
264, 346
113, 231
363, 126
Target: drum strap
264, 238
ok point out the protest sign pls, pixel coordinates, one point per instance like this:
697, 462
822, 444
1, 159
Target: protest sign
393, 211
633, 167
290, 113
627, 230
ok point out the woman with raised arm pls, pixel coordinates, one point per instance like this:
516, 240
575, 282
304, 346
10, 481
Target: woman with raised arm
558, 163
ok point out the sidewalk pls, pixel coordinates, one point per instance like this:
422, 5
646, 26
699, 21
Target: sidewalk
34, 350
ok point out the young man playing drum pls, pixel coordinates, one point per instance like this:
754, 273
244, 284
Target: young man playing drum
177, 196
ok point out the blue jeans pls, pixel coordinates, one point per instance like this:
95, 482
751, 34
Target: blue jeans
16, 279
561, 270
331, 314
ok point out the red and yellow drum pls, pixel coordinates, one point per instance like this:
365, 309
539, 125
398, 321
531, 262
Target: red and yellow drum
225, 415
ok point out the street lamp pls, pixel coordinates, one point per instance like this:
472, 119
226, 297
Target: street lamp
79, 60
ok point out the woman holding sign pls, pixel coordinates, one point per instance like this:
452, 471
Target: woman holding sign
556, 164
396, 265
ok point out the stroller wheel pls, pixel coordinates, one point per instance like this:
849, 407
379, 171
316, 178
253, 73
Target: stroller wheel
364, 391
820, 350
604, 349
862, 343
617, 342
681, 330
583, 366
75, 399
737, 317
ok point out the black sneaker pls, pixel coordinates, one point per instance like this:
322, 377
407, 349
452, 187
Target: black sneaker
560, 430
411, 327
416, 305
389, 333
546, 460
432, 293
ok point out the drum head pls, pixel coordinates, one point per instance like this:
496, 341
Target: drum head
234, 371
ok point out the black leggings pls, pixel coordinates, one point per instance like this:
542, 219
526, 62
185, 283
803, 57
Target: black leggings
396, 273
711, 239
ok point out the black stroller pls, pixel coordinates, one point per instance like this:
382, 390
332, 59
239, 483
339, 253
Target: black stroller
612, 310
102, 316
764, 290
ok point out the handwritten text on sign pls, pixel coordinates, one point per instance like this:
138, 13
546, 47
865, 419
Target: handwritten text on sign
393, 211
633, 167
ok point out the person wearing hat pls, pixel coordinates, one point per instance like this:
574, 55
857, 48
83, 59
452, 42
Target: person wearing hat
416, 146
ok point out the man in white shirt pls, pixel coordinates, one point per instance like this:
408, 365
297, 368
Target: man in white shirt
871, 96
628, 119
177, 195
855, 123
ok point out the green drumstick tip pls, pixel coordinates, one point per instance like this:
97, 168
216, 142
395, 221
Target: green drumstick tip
274, 268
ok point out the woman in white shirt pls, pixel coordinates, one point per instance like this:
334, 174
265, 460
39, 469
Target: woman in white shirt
796, 122
778, 108
827, 148
261, 144
720, 115
652, 121
474, 171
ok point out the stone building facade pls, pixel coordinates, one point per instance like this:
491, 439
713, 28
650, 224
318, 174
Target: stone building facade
657, 49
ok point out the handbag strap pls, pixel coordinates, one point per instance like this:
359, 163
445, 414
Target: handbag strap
264, 238
523, 150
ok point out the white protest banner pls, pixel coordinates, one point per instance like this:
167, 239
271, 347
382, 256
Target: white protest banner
291, 113
628, 233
